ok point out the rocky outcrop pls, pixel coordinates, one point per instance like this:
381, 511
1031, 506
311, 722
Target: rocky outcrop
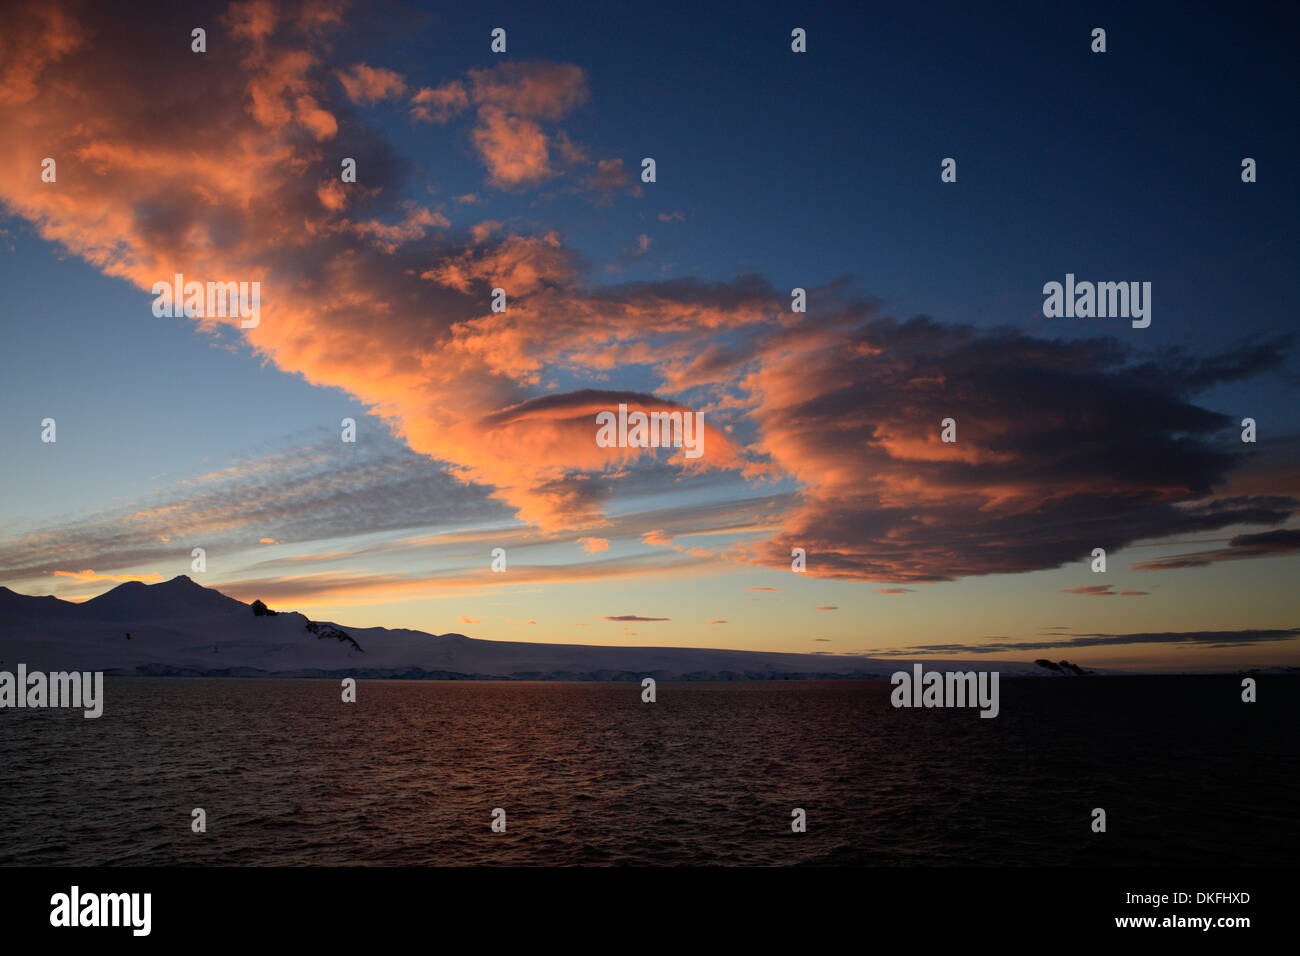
330, 632
261, 610
1064, 667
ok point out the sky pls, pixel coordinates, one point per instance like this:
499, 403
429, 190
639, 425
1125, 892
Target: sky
522, 170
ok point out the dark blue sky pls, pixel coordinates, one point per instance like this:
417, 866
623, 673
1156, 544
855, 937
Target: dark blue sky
1123, 165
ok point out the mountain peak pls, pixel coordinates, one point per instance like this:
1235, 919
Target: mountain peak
180, 596
180, 581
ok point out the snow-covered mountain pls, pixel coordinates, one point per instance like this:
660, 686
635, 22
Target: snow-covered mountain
182, 628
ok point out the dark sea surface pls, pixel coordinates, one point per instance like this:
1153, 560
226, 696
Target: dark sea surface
709, 774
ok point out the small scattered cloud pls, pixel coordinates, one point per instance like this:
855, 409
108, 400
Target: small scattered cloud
439, 105
366, 84
610, 178
634, 617
481, 232
1104, 590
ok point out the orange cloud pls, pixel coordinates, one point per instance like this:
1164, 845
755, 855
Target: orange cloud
592, 545
513, 148
89, 575
418, 345
366, 84
439, 105
1092, 590
547, 91
511, 101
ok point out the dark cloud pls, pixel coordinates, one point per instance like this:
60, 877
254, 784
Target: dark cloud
1244, 638
1266, 544
1062, 447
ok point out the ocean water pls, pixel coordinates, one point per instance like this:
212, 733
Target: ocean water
707, 775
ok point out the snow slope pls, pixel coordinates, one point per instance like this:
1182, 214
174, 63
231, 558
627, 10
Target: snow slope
180, 627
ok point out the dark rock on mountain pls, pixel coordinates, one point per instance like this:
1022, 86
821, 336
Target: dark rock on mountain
1064, 667
329, 631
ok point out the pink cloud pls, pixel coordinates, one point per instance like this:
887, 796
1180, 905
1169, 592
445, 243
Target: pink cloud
1092, 590
439, 105
366, 84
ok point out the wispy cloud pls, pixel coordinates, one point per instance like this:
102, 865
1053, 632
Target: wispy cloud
1267, 544
1241, 638
89, 575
